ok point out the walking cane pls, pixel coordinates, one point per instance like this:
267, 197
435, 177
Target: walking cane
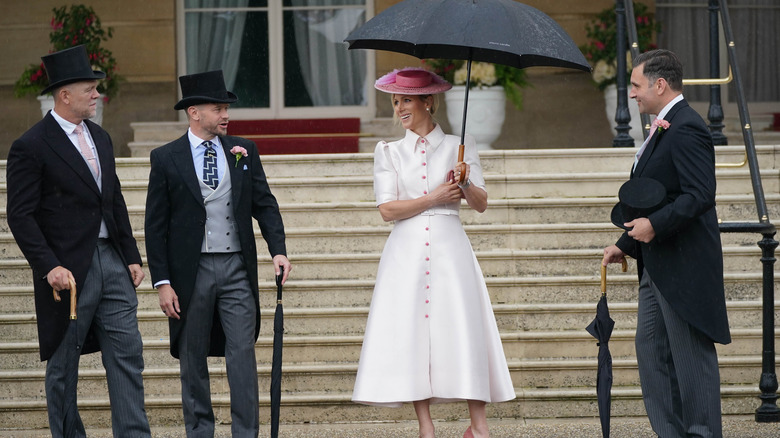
72, 285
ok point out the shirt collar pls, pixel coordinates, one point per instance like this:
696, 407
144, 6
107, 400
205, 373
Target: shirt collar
433, 138
196, 141
673, 102
66, 126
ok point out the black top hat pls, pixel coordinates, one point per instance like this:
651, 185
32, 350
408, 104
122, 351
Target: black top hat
68, 66
208, 87
639, 197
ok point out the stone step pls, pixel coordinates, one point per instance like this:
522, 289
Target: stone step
314, 294
518, 345
537, 185
364, 240
495, 263
325, 321
330, 407
299, 378
496, 162
731, 208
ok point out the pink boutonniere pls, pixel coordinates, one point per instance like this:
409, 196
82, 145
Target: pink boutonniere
661, 124
240, 152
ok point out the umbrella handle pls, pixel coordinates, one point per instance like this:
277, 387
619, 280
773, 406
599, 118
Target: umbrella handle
72, 285
461, 166
624, 267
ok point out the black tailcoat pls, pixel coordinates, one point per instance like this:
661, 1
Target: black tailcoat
685, 259
54, 212
176, 217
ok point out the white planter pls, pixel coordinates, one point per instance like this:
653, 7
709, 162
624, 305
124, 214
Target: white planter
47, 103
610, 98
486, 113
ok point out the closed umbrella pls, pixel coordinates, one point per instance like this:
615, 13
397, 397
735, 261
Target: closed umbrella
276, 362
601, 329
498, 31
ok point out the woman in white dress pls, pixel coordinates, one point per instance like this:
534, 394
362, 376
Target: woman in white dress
431, 335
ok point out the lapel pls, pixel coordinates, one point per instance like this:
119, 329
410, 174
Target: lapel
181, 156
236, 181
59, 142
648, 153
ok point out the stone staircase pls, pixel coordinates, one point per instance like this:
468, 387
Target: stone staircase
539, 245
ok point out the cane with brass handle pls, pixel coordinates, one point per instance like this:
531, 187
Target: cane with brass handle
604, 276
72, 285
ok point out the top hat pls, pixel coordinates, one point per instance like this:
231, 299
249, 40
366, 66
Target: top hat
412, 81
639, 197
68, 66
207, 87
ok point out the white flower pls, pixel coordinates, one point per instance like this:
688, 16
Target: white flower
603, 72
483, 74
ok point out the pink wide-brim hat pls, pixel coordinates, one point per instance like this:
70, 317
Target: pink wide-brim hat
412, 81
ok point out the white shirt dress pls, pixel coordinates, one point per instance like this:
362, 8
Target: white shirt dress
431, 332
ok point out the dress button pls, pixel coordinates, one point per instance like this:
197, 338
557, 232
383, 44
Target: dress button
426, 316
428, 286
422, 152
427, 301
427, 272
426, 243
422, 141
427, 259
424, 176
425, 192
426, 228
424, 163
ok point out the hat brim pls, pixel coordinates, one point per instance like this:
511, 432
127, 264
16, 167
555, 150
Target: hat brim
197, 100
96, 75
617, 217
432, 88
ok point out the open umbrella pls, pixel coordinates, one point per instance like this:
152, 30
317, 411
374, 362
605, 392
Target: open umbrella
498, 31
601, 329
276, 362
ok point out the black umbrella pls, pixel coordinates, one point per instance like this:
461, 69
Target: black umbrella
276, 362
497, 31
601, 329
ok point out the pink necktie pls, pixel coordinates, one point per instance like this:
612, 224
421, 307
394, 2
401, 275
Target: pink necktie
86, 151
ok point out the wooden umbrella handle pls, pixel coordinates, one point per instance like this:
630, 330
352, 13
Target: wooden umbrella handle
461, 166
72, 285
604, 275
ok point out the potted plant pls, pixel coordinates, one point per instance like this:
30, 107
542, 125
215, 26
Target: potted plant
601, 52
73, 26
490, 85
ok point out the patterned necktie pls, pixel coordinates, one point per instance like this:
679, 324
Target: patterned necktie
86, 151
210, 175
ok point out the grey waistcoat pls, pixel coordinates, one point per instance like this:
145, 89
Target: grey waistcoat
221, 230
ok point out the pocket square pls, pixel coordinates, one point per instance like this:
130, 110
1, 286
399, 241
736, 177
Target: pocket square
245, 168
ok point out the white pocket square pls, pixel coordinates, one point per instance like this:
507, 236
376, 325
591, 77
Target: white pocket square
245, 168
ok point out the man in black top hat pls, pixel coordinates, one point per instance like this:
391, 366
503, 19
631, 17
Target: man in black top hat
204, 190
68, 216
682, 306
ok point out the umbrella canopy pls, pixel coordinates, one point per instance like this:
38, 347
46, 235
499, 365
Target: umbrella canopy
601, 329
499, 31
276, 362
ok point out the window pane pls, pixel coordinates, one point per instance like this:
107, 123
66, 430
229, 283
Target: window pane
324, 3
191, 4
319, 70
236, 43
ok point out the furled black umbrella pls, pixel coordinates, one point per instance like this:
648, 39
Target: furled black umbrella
276, 362
601, 329
497, 31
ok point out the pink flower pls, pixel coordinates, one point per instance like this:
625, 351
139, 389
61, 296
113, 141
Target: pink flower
239, 152
661, 124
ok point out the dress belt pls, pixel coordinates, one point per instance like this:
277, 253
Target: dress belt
440, 211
